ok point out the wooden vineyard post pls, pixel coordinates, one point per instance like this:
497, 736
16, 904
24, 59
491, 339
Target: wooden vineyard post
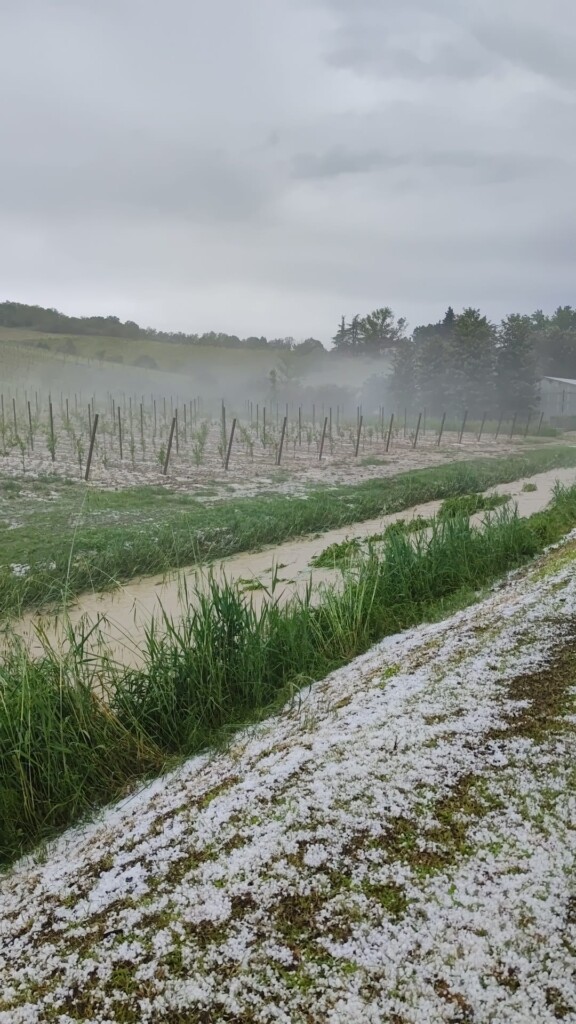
540, 424
52, 440
15, 420
441, 431
155, 418
120, 432
513, 427
528, 423
263, 424
230, 439
30, 426
415, 442
463, 427
169, 448
223, 426
91, 449
498, 427
390, 432
282, 436
323, 438
405, 420
360, 422
176, 430
67, 413
330, 425
300, 425
142, 423
481, 431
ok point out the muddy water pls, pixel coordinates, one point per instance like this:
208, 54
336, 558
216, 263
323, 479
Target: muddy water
285, 568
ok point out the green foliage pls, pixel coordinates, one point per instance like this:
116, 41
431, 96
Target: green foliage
434, 358
473, 362
200, 438
102, 537
516, 365
36, 318
337, 554
375, 334
407, 526
64, 751
469, 504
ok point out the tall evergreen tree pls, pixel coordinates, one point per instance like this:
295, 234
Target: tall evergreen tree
474, 362
341, 338
434, 362
355, 333
516, 383
555, 342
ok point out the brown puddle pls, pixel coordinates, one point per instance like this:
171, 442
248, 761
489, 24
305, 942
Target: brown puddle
131, 608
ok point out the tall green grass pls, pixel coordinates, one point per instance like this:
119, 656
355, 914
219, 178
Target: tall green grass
77, 730
67, 559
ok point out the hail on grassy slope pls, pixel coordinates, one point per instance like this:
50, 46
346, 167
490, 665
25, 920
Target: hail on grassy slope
397, 846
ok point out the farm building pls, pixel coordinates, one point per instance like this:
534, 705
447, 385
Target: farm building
558, 398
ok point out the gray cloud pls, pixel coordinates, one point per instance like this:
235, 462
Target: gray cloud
261, 168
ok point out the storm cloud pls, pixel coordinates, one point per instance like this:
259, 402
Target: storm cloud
263, 167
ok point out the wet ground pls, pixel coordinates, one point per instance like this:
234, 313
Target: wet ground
284, 570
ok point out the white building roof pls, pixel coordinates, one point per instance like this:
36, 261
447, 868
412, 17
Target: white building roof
561, 380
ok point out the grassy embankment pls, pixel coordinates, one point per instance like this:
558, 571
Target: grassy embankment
64, 540
77, 731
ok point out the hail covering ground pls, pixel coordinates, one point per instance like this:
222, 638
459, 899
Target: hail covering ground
389, 848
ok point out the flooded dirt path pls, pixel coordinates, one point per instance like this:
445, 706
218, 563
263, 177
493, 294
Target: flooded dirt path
286, 568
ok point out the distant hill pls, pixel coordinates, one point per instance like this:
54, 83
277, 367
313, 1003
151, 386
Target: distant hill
19, 316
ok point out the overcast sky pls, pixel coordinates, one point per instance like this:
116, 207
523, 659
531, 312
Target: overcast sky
263, 166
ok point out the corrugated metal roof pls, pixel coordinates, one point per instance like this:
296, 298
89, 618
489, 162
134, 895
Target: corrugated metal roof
561, 380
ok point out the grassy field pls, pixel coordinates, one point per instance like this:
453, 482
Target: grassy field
168, 357
62, 538
76, 731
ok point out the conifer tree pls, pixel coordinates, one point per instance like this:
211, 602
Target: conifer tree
516, 383
474, 362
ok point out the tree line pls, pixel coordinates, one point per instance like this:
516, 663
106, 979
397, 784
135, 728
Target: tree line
51, 321
464, 360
